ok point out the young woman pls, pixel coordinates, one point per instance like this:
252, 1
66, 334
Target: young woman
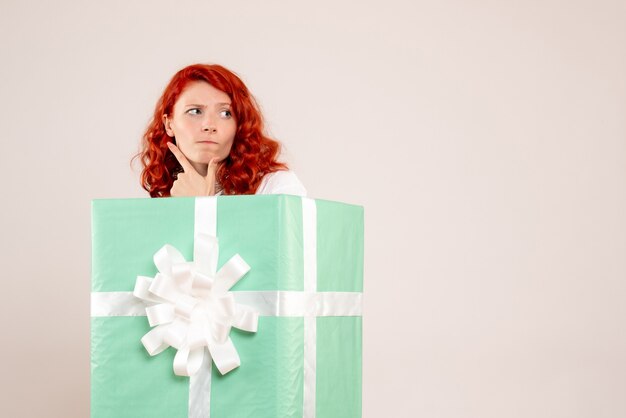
206, 138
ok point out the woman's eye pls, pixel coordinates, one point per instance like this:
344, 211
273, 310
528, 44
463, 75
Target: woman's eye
194, 111
226, 113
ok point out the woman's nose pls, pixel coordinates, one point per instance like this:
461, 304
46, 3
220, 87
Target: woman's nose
208, 125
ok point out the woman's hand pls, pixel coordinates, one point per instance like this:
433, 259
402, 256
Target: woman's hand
190, 182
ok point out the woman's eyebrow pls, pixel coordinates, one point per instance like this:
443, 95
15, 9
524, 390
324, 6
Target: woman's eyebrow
201, 105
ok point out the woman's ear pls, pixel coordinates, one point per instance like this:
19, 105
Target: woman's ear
167, 124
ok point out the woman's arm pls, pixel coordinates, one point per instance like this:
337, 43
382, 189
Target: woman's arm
190, 182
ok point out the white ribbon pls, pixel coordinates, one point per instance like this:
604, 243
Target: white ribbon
309, 244
190, 306
273, 303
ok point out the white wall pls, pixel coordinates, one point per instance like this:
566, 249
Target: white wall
486, 140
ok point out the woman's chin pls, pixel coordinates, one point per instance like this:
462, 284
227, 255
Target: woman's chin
203, 159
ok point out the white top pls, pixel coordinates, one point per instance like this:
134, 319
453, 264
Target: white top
281, 182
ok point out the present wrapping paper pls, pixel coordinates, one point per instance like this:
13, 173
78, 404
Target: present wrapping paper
305, 282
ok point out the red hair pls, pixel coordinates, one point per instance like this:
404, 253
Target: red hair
252, 156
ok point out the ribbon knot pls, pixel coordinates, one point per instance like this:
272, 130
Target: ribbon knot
191, 307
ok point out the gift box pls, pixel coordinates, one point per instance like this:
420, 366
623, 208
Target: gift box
280, 279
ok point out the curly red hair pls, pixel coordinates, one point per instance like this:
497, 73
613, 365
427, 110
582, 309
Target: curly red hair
252, 156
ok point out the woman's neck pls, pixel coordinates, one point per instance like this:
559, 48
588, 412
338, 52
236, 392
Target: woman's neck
200, 168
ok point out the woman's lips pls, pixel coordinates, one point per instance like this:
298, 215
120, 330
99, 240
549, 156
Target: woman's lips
207, 142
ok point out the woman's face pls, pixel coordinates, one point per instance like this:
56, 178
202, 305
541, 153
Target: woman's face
202, 124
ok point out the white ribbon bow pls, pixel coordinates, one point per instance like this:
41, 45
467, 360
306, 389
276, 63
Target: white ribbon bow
192, 308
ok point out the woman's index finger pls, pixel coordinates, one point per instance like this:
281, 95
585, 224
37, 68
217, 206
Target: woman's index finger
184, 162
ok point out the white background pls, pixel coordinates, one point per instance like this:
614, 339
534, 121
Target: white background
485, 139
